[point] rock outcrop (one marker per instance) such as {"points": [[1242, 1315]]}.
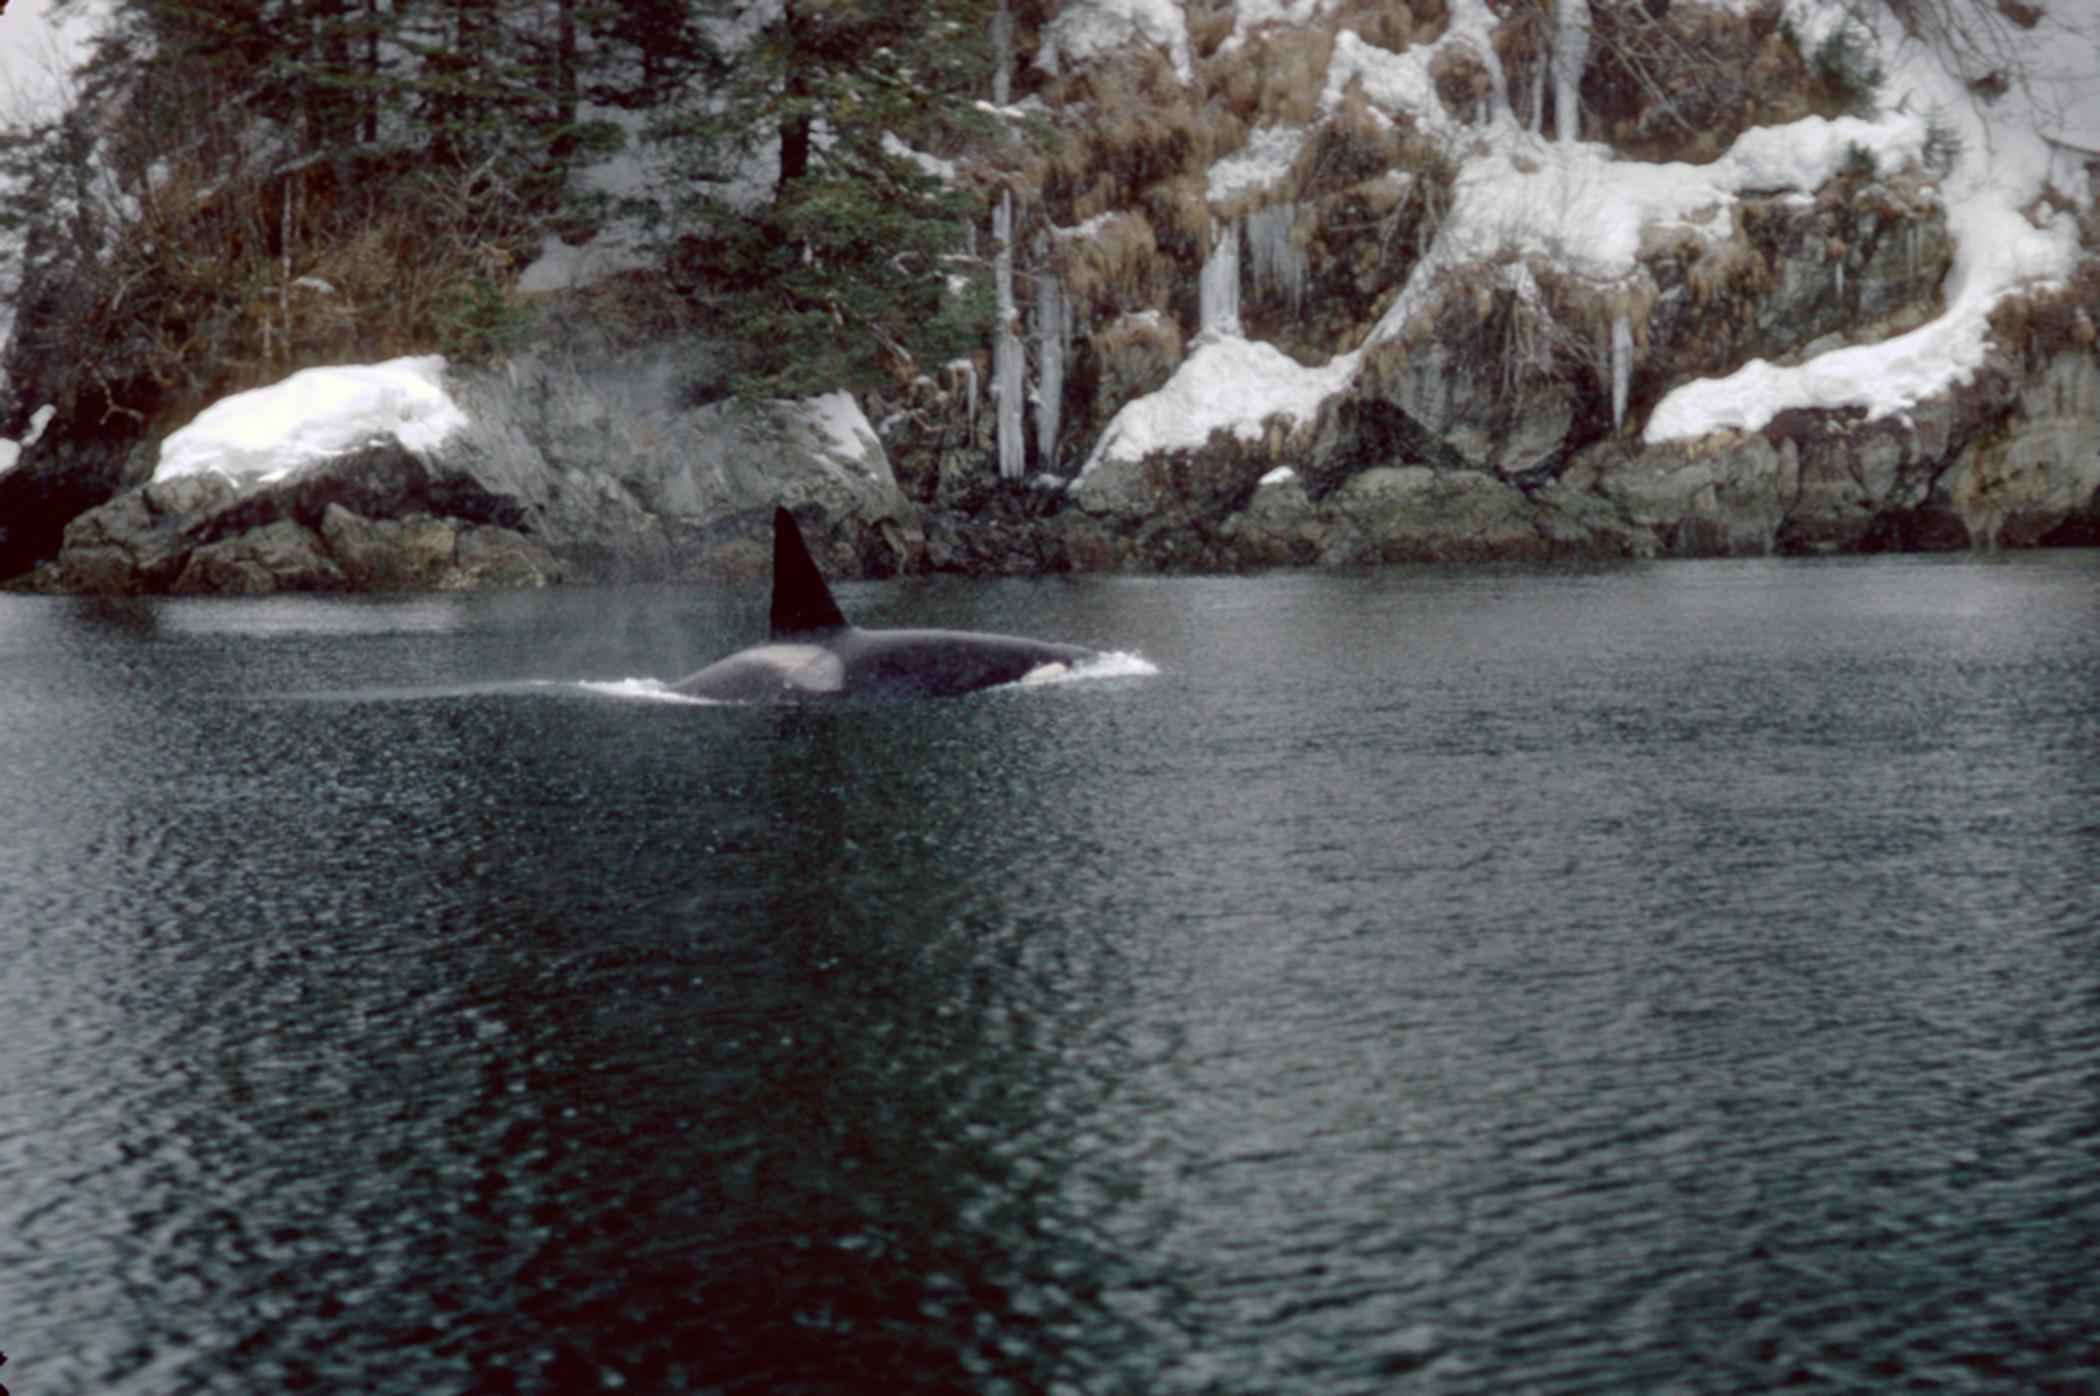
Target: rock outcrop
{"points": [[200, 533], [621, 480], [1457, 371], [632, 495], [66, 473]]}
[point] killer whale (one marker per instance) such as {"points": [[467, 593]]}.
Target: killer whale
{"points": [[813, 655]]}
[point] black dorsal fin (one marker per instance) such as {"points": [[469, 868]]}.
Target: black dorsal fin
{"points": [[801, 601]]}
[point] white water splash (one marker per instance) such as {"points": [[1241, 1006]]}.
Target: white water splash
{"points": [[1109, 664], [646, 691]]}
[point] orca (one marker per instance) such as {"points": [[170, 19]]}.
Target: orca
{"points": [[814, 655]]}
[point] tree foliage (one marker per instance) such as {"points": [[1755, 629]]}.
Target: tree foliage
{"points": [[803, 203], [242, 187]]}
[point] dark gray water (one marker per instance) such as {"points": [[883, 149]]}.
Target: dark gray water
{"points": [[1678, 977]]}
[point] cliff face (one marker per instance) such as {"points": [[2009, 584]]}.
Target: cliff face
{"points": [[1328, 282], [1347, 284]]}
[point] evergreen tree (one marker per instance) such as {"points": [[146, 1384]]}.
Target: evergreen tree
{"points": [[247, 186], [801, 205]]}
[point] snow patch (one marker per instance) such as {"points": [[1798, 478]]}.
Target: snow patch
{"points": [[1392, 82], [1228, 383], [11, 451], [561, 266], [1084, 29], [1264, 161], [1997, 251], [1090, 229], [266, 433], [840, 425], [1802, 154], [1400, 82], [1249, 15], [621, 243], [931, 165]]}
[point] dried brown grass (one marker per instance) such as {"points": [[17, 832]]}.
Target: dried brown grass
{"points": [[1124, 125], [1117, 268], [214, 278], [2037, 325], [1276, 77]]}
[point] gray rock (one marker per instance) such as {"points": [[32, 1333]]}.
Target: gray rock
{"points": [[56, 480], [619, 479], [489, 557], [693, 499], [141, 540], [2039, 476], [1416, 514], [1465, 404], [1720, 497], [281, 556], [1281, 526], [411, 554]]}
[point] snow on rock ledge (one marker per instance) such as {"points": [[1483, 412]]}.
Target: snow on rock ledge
{"points": [[1084, 29], [1227, 384], [266, 433]]}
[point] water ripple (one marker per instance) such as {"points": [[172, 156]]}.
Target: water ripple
{"points": [[1647, 978]]}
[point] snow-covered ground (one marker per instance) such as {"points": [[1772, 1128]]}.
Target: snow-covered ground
{"points": [[1576, 203]]}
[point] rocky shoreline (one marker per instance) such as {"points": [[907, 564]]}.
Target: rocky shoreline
{"points": [[1421, 359], [2013, 462]]}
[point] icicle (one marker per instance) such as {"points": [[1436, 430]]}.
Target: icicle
{"points": [[1278, 262], [1218, 289], [1002, 54], [1571, 53], [1006, 349], [1006, 345], [1053, 335], [1621, 366], [964, 372], [1841, 279], [1498, 83]]}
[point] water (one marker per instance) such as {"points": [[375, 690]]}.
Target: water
{"points": [[1670, 977]]}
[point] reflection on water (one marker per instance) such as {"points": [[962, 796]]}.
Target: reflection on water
{"points": [[1665, 977]]}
